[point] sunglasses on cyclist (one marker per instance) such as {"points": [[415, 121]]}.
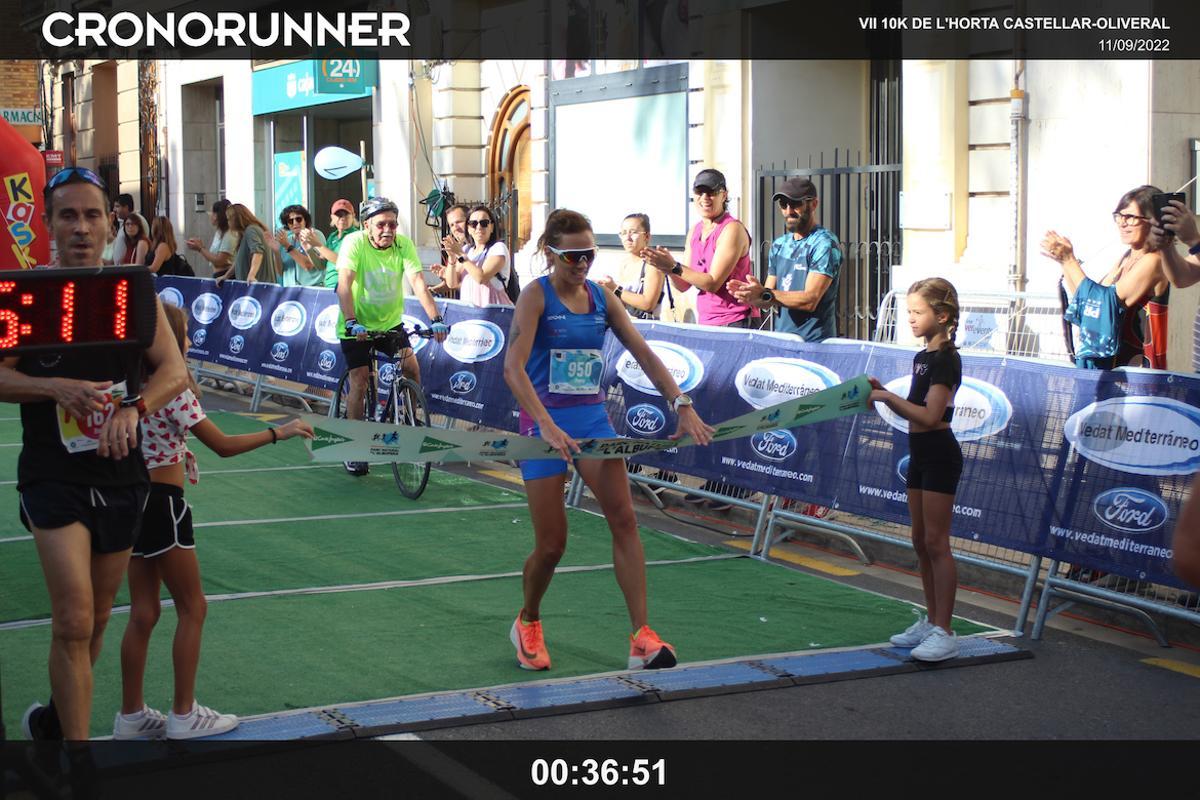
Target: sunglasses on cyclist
{"points": [[385, 225], [575, 257], [74, 175], [479, 223]]}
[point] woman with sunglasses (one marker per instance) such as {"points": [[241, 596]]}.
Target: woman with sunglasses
{"points": [[1112, 329], [480, 269], [303, 264], [255, 260], [137, 239], [553, 365]]}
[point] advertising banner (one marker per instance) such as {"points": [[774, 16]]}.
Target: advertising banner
{"points": [[1086, 467]]}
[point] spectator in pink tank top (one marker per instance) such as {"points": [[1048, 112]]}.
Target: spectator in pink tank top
{"points": [[717, 251]]}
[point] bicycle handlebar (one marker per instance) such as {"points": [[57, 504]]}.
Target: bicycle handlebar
{"points": [[415, 330]]}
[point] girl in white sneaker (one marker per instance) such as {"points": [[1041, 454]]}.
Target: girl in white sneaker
{"points": [[935, 461], [165, 553]]}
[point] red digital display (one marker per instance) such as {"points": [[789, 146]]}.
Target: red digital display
{"points": [[57, 309]]}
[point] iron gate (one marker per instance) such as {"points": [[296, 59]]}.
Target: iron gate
{"points": [[860, 204]]}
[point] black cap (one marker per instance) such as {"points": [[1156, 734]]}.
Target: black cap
{"points": [[795, 188], [709, 179]]}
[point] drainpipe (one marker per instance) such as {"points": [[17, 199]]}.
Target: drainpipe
{"points": [[1018, 171]]}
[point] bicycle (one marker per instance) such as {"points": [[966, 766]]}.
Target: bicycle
{"points": [[404, 404]]}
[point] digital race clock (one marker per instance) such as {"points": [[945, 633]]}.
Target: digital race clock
{"points": [[67, 308]]}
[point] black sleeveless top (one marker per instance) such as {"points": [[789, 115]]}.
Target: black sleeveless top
{"points": [[942, 366], [56, 446]]}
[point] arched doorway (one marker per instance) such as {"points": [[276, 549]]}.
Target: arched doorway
{"points": [[509, 160]]}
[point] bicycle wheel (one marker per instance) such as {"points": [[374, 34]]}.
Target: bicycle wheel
{"points": [[343, 391], [411, 478]]}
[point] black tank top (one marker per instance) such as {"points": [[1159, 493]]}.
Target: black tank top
{"points": [[56, 446], [942, 366]]}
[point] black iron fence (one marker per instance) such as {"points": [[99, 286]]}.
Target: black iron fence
{"points": [[860, 204]]}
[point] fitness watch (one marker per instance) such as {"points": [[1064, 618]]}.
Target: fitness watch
{"points": [[677, 269], [680, 401], [767, 296]]}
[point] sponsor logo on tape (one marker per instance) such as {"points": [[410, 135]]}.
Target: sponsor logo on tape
{"points": [[323, 438], [432, 445]]}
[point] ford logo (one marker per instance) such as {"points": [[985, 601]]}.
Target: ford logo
{"points": [[171, 295], [980, 409], [206, 308], [236, 343], [682, 363], [200, 337], [1142, 435], [902, 469], [387, 373], [645, 420], [1130, 510], [245, 312], [463, 382], [327, 360], [474, 340], [767, 382], [777, 445], [326, 324], [279, 351], [289, 318]]}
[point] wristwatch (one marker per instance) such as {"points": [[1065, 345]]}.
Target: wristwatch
{"points": [[767, 296], [291, 247], [617, 291], [134, 401], [462, 259], [1194, 249], [677, 269], [680, 401]]}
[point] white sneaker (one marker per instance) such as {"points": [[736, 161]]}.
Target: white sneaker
{"points": [[144, 724], [914, 634], [200, 722], [938, 646]]}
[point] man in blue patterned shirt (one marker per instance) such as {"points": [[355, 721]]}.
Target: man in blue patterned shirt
{"points": [[802, 269]]}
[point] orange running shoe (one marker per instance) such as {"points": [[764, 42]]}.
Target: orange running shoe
{"points": [[531, 646], [647, 651]]}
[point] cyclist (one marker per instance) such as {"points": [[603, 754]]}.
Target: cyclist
{"points": [[371, 267]]}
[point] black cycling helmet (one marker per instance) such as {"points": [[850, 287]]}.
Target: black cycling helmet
{"points": [[375, 205]]}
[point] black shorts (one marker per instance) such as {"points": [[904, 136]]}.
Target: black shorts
{"points": [[113, 514], [167, 522], [358, 354], [934, 461]]}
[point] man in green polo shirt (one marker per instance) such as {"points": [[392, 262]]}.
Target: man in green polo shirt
{"points": [[371, 265]]}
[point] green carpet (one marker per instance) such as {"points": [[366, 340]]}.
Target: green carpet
{"points": [[270, 654], [246, 558]]}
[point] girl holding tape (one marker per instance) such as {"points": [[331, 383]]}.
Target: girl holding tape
{"points": [[554, 366], [165, 552], [935, 461]]}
